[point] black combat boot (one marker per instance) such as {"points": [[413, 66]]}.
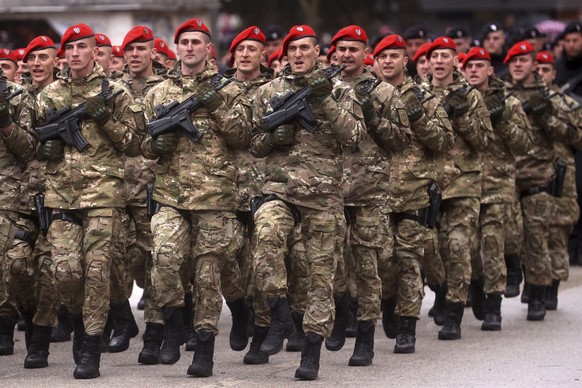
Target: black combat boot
{"points": [[203, 354], [125, 327], [492, 320], [188, 317], [364, 347], [20, 323], [479, 299], [452, 328], [352, 329], [406, 337], [309, 367], [88, 366], [536, 307], [78, 334], [141, 303], [28, 327], [514, 276], [282, 325], [240, 317], [191, 339], [62, 333], [295, 342], [342, 313], [38, 350], [106, 335], [7, 335], [174, 335], [438, 311], [152, 340], [552, 295], [255, 356], [388, 317]]}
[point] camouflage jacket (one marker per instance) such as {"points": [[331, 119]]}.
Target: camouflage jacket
{"points": [[92, 178], [309, 172], [366, 178], [463, 168], [139, 171], [200, 175], [250, 172], [16, 150], [512, 138], [536, 168]]}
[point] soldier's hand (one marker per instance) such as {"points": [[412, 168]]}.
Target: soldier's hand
{"points": [[456, 103], [413, 106], [366, 100], [495, 107], [208, 96], [96, 109], [52, 150], [5, 119], [320, 85], [166, 143], [538, 105], [282, 135]]}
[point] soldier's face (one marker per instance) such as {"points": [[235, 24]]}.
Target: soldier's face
{"points": [[116, 64], [161, 58], [193, 48], [302, 54], [494, 42], [272, 46], [463, 44], [247, 56], [9, 69], [522, 68], [104, 57], [351, 54], [41, 64], [139, 56], [22, 68], [477, 72], [547, 72], [573, 44], [412, 46], [81, 56], [423, 68], [442, 63], [391, 63]]}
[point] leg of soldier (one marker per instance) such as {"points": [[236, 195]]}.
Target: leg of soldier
{"points": [[536, 210], [387, 271], [8, 312], [434, 275], [210, 252], [352, 285], [142, 252], [460, 219], [476, 295], [298, 285], [513, 248]]}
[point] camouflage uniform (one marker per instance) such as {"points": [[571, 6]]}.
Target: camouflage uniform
{"points": [[196, 187], [304, 177], [85, 191]]}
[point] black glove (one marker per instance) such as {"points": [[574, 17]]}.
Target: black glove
{"points": [[165, 144], [5, 119], [495, 107], [538, 105], [456, 103], [96, 109], [320, 85], [208, 96], [52, 150], [413, 106], [282, 135]]}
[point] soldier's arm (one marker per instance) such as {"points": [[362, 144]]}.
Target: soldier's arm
{"points": [[514, 129], [123, 127], [21, 140], [148, 102], [475, 126], [435, 133], [393, 130], [557, 121], [234, 116], [345, 115], [259, 147]]}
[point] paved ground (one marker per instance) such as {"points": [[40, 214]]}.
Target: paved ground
{"points": [[523, 354]]}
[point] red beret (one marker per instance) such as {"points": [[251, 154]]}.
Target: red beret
{"points": [[60, 53], [76, 32], [117, 51], [212, 52], [545, 57], [390, 42], [352, 32], [20, 53], [137, 34], [442, 42], [520, 48], [39, 43], [476, 53], [421, 51], [8, 55], [251, 33], [161, 46], [369, 60], [191, 25], [330, 53], [297, 32], [102, 40], [461, 57], [171, 54], [276, 56]]}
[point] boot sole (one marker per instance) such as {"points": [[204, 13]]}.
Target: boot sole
{"points": [[485, 327], [359, 362], [536, 317], [145, 360], [35, 366], [449, 336], [86, 377], [404, 350], [301, 375], [198, 373]]}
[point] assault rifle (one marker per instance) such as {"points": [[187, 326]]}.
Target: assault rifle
{"points": [[463, 91], [6, 91], [64, 123]]}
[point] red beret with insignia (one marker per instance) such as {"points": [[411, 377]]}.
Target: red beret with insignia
{"points": [[275, 56], [39, 43], [442, 42], [189, 26], [76, 32], [161, 46], [390, 42], [20, 53], [171, 54], [353, 32], [545, 57], [369, 60], [102, 40], [137, 34], [476, 53], [461, 57], [520, 48], [421, 52], [117, 52], [298, 32], [332, 50], [8, 55], [251, 33]]}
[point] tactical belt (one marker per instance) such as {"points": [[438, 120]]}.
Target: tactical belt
{"points": [[534, 190], [421, 216], [29, 217], [412, 216], [23, 235], [67, 216], [258, 201]]}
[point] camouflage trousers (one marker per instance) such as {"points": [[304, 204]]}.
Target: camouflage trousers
{"points": [[537, 210], [488, 259], [234, 281], [431, 262], [121, 280], [298, 271], [320, 229], [195, 243], [7, 225], [82, 257], [460, 217], [514, 229]]}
